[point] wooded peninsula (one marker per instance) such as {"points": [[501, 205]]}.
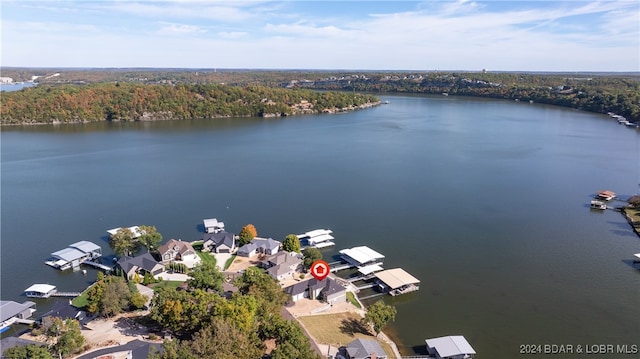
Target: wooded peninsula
{"points": [[88, 95]]}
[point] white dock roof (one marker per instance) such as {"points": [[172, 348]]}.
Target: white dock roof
{"points": [[451, 346], [86, 246], [362, 254], [366, 270], [41, 288], [637, 255], [320, 238], [315, 233], [68, 254], [396, 278], [212, 222]]}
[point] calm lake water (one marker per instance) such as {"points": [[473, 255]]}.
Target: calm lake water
{"points": [[485, 201]]}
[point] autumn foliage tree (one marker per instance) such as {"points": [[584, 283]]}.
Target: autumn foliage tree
{"points": [[247, 233]]}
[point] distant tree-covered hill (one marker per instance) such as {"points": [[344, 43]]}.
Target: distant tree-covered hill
{"points": [[139, 102], [597, 92]]}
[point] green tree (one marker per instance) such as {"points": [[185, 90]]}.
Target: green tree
{"points": [[206, 276], [247, 233], [291, 243], [109, 296], [378, 315], [123, 242], [115, 298], [185, 312], [138, 300], [264, 288], [150, 238], [70, 340], [221, 339], [30, 351], [311, 255]]}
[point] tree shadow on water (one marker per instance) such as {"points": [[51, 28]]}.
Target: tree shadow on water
{"points": [[353, 326]]}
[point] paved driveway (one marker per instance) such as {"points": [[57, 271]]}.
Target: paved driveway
{"points": [[221, 259]]}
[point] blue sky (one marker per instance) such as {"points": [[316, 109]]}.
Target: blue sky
{"points": [[373, 35]]}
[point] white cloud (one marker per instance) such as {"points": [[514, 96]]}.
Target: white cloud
{"points": [[232, 34], [461, 35], [180, 29]]}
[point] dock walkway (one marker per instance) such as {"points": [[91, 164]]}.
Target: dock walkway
{"points": [[368, 285], [371, 296], [65, 294], [98, 265]]}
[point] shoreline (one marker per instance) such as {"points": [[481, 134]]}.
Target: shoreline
{"points": [[333, 110], [635, 225]]}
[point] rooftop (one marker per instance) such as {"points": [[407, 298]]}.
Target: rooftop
{"points": [[366, 270], [68, 254], [396, 278], [9, 309], [315, 233], [362, 254], [86, 246], [450, 346], [363, 348], [41, 288]]}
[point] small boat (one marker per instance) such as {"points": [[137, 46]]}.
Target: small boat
{"points": [[598, 205]]}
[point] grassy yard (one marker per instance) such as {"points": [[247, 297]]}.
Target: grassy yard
{"points": [[352, 299], [81, 301], [339, 329], [206, 257], [229, 261], [633, 213]]}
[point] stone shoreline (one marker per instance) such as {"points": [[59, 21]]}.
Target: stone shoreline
{"points": [[168, 116]]}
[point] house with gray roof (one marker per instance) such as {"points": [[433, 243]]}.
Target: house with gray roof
{"points": [[140, 264], [283, 265], [267, 246], [328, 290], [219, 242], [62, 310], [177, 250], [364, 349], [11, 311]]}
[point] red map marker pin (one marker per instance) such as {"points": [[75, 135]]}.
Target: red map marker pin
{"points": [[320, 269]]}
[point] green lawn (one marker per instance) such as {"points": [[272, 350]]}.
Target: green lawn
{"points": [[352, 299], [206, 257], [339, 329], [81, 301], [633, 213], [229, 261]]}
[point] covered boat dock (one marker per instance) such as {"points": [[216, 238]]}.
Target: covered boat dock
{"points": [[397, 281]]}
